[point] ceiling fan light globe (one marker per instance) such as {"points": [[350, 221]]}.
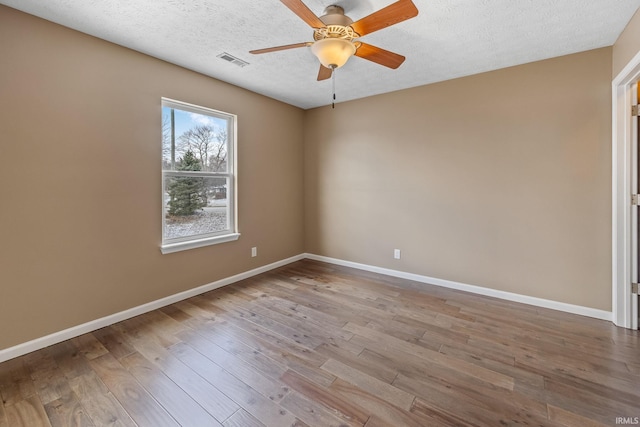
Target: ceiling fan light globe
{"points": [[333, 52]]}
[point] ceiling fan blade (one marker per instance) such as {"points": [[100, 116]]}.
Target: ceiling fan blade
{"points": [[386, 17], [304, 13], [277, 48], [379, 56], [324, 73]]}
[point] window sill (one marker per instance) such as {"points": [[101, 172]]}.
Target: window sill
{"points": [[192, 244]]}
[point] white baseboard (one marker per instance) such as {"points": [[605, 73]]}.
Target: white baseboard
{"points": [[539, 302], [39, 343]]}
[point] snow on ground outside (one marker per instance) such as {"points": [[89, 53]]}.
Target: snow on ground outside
{"points": [[209, 220]]}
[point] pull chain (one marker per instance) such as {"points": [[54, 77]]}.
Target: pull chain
{"points": [[333, 84]]}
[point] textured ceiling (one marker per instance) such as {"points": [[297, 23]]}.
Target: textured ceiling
{"points": [[448, 39]]}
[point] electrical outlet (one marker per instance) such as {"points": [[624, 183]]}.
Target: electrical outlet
{"points": [[254, 252], [396, 253]]}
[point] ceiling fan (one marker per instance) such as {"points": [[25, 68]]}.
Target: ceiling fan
{"points": [[335, 35]]}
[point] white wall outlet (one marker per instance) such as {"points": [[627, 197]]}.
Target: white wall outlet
{"points": [[396, 253], [254, 252]]}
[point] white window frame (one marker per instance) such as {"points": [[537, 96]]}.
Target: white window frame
{"points": [[200, 240]]}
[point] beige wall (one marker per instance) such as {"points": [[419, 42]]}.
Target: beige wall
{"points": [[627, 45], [80, 196], [501, 180]]}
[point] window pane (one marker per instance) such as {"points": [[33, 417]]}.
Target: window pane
{"points": [[195, 206], [198, 146], [205, 136]]}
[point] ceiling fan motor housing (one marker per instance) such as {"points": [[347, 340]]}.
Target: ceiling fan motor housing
{"points": [[334, 15], [337, 25]]}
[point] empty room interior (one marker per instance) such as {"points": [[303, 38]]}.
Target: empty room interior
{"points": [[319, 213]]}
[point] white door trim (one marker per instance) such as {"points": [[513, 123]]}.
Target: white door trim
{"points": [[621, 157], [634, 205]]}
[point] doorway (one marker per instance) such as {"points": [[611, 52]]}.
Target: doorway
{"points": [[625, 203]]}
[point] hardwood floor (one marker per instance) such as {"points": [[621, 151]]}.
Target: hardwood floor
{"points": [[313, 344]]}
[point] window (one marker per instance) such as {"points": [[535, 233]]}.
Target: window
{"points": [[198, 176]]}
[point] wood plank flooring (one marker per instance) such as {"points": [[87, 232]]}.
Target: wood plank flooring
{"points": [[313, 344]]}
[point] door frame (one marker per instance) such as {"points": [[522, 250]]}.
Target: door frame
{"points": [[621, 158]]}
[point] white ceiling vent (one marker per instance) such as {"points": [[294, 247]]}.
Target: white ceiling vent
{"points": [[230, 58]]}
